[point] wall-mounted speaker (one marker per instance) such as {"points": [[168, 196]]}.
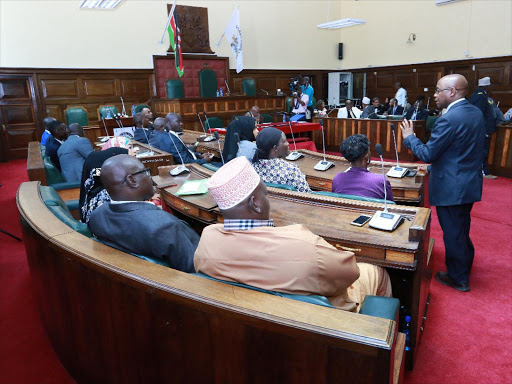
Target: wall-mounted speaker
{"points": [[340, 51]]}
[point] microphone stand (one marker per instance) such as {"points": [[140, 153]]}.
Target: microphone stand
{"points": [[396, 171], [206, 137], [180, 168], [217, 137], [209, 138], [293, 155], [323, 165]]}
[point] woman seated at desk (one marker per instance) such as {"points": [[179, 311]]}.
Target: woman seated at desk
{"points": [[245, 127], [357, 180], [269, 161]]}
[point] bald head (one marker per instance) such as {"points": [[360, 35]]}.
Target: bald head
{"points": [[349, 104], [76, 129], [159, 124], [449, 89], [122, 177], [173, 122]]}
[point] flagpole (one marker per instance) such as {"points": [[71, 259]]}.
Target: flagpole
{"points": [[168, 21], [223, 33]]}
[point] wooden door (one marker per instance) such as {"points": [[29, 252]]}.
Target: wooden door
{"points": [[17, 116]]}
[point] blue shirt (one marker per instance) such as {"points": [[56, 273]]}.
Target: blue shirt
{"points": [[45, 136], [310, 92]]}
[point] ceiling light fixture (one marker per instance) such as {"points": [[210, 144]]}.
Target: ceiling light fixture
{"points": [[444, 2], [343, 23], [412, 38], [99, 4]]}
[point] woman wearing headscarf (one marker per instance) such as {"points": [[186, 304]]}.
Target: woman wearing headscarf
{"points": [[269, 161], [245, 127], [92, 192]]}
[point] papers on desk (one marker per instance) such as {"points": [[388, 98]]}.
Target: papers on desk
{"points": [[193, 187]]}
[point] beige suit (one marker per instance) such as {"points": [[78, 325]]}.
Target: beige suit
{"points": [[289, 259]]}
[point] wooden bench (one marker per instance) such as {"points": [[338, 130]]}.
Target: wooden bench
{"points": [[114, 318]]}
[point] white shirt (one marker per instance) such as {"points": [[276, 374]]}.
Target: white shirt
{"points": [[401, 96], [188, 149], [453, 103], [343, 113], [300, 108]]}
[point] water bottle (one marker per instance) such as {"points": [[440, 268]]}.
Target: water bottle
{"points": [[133, 110], [109, 113], [221, 93], [407, 331], [284, 118], [218, 93]]}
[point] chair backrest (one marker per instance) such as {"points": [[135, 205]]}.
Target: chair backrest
{"points": [[53, 176], [58, 207], [431, 120], [281, 186], [249, 87], [311, 299], [210, 167], [213, 122], [265, 118], [288, 104], [104, 111], [77, 115], [140, 107], [352, 197], [207, 83], [174, 89]]}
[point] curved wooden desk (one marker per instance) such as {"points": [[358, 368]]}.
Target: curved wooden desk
{"points": [[405, 252], [114, 318]]}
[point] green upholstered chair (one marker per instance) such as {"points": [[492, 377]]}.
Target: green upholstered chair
{"points": [[77, 115], [249, 87], [213, 122], [55, 180], [281, 186], [174, 89], [352, 197], [140, 107], [431, 120], [104, 110], [207, 83], [265, 118], [211, 167], [288, 104], [397, 117], [59, 208]]}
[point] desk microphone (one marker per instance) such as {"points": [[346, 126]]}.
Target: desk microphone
{"points": [[323, 165], [106, 131], [206, 137], [151, 152], [396, 171], [384, 220], [227, 86], [217, 137], [123, 112], [261, 89], [180, 168], [334, 109], [206, 121], [293, 155], [428, 102]]}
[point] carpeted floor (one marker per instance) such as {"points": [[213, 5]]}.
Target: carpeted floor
{"points": [[467, 340]]}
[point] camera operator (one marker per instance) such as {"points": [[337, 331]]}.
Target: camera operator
{"points": [[308, 90], [299, 104]]}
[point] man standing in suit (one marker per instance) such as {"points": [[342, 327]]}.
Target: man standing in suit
{"points": [[455, 151], [73, 152], [132, 224]]}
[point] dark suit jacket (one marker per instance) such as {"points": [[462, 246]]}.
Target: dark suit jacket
{"points": [[162, 140], [455, 151], [52, 146], [145, 229], [480, 100], [421, 115], [399, 110], [142, 135], [370, 110]]}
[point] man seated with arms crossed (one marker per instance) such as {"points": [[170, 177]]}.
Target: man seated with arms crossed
{"points": [[255, 113], [248, 249], [349, 111], [141, 132], [358, 180], [132, 224], [299, 105], [394, 108], [168, 140], [73, 152]]}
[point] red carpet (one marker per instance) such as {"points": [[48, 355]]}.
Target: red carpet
{"points": [[467, 339]]}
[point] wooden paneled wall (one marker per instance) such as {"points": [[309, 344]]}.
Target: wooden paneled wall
{"points": [[27, 95]]}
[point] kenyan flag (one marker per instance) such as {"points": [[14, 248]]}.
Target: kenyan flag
{"points": [[175, 39]]}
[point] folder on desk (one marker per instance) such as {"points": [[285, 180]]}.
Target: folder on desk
{"points": [[193, 187]]}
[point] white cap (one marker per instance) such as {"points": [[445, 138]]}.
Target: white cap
{"points": [[366, 100], [484, 81]]}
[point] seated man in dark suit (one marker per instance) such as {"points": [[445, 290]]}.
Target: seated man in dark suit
{"points": [[141, 132], [371, 111], [394, 108], [132, 224], [169, 141], [418, 112], [59, 133], [46, 133], [73, 152]]}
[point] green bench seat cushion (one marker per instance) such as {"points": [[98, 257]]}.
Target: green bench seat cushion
{"points": [[352, 197], [378, 306]]}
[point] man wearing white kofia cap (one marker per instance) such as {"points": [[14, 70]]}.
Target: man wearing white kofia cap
{"points": [[248, 249]]}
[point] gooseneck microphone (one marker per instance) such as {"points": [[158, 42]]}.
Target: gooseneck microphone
{"points": [[323, 165], [123, 112], [207, 122], [292, 156], [384, 220], [396, 171], [180, 168], [217, 137], [207, 138], [261, 89]]}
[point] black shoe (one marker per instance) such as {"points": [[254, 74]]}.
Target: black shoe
{"points": [[443, 278]]}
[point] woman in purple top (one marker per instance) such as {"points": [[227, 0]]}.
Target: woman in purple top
{"points": [[357, 180]]}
